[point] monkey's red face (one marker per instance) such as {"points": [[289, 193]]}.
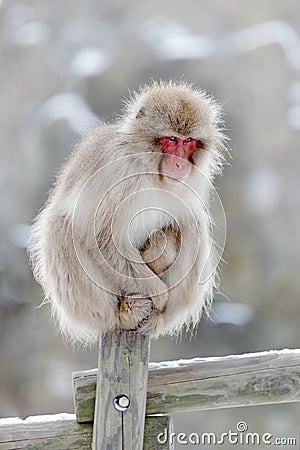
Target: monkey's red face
{"points": [[177, 154]]}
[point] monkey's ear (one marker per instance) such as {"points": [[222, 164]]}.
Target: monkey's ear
{"points": [[141, 113]]}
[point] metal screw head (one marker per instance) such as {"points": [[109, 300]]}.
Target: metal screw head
{"points": [[121, 402]]}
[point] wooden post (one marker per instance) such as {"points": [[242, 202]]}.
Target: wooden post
{"points": [[121, 391]]}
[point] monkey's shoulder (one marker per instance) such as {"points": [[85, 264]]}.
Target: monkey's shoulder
{"points": [[90, 153]]}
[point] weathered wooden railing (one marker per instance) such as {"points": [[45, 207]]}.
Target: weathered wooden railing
{"points": [[184, 385]]}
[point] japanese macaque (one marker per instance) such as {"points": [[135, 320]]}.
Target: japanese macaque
{"points": [[124, 241]]}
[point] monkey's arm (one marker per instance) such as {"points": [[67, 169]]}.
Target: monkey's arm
{"points": [[129, 274]]}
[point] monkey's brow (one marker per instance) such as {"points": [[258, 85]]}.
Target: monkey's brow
{"points": [[128, 133], [121, 144]]}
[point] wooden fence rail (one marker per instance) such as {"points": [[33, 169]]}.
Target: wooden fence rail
{"points": [[63, 432], [207, 383], [184, 385]]}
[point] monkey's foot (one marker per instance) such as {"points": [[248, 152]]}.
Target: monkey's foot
{"points": [[152, 324], [134, 311]]}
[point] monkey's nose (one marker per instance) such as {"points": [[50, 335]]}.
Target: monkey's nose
{"points": [[177, 164]]}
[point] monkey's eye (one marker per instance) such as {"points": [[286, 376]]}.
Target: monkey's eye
{"points": [[173, 138], [188, 139]]}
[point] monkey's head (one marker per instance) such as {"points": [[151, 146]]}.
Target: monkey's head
{"points": [[180, 122]]}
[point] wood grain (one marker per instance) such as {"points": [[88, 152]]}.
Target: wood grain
{"points": [[63, 432], [208, 383], [123, 371]]}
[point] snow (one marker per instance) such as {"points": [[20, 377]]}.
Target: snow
{"points": [[173, 41], [272, 32], [37, 419], [263, 34], [262, 192], [186, 47], [232, 313], [90, 61], [32, 33], [294, 92], [19, 234], [69, 106], [293, 117], [186, 362]]}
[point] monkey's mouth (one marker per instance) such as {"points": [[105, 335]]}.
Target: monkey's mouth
{"points": [[174, 168]]}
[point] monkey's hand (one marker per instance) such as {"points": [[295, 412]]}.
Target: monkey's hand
{"points": [[134, 311], [138, 314]]}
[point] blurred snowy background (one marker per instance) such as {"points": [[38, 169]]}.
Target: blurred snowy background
{"points": [[65, 64]]}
